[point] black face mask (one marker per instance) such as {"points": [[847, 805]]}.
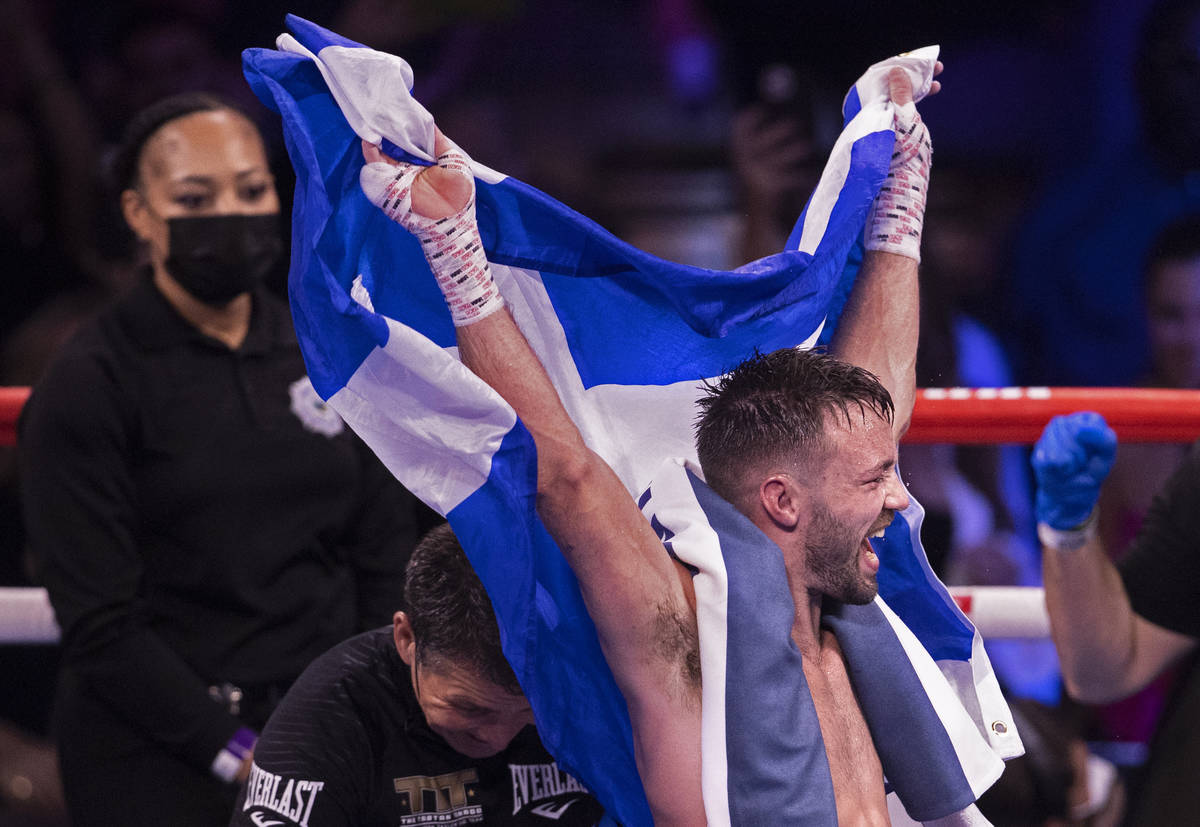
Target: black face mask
{"points": [[218, 257]]}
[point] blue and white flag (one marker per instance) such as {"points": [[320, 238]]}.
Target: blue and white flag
{"points": [[626, 338], [940, 726]]}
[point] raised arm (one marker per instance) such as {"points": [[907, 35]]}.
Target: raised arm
{"points": [[638, 599], [1106, 649], [878, 328]]}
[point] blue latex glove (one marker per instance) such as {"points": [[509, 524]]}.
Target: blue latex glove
{"points": [[1071, 460]]}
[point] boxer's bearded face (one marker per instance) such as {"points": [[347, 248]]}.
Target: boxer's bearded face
{"points": [[855, 495], [841, 562]]}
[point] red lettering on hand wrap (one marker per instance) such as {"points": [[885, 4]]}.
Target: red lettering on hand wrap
{"points": [[897, 217]]}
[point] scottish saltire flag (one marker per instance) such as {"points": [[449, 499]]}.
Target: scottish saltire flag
{"points": [[939, 723], [626, 338]]}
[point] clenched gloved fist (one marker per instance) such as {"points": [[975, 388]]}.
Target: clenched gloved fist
{"points": [[1071, 460]]}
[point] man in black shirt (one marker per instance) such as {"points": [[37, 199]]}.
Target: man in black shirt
{"points": [[422, 723], [1118, 626]]}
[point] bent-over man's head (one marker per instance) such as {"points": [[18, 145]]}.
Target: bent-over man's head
{"points": [[450, 640], [801, 443]]}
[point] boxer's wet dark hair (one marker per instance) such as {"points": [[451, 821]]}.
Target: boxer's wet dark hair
{"points": [[773, 407], [452, 620]]}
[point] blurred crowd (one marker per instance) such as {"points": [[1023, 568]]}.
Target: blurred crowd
{"points": [[1062, 244]]}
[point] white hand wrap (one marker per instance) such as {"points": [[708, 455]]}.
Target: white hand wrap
{"points": [[898, 214], [451, 245]]}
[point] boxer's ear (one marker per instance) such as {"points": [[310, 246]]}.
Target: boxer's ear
{"points": [[402, 635], [779, 497]]}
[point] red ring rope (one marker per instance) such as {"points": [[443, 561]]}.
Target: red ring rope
{"points": [[11, 400], [969, 415], [951, 415], [987, 415]]}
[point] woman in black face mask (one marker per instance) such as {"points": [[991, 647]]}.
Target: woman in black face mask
{"points": [[204, 524], [200, 194]]}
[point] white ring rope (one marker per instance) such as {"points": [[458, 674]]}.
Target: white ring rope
{"points": [[997, 611], [1004, 611], [950, 415]]}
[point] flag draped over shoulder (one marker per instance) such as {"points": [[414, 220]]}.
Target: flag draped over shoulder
{"points": [[625, 337], [938, 721]]}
